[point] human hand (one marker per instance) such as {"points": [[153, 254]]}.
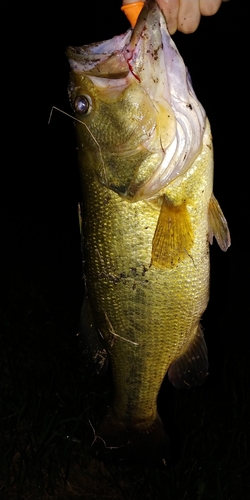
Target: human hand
{"points": [[183, 15]]}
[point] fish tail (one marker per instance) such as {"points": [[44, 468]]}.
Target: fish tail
{"points": [[119, 443]]}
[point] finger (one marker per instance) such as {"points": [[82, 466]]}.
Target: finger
{"points": [[209, 7], [170, 10], [189, 15]]}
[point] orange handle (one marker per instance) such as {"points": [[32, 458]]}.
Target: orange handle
{"points": [[132, 11]]}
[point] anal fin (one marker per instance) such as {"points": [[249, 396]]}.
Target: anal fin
{"points": [[191, 369], [218, 225]]}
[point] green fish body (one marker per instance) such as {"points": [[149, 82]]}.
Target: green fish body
{"points": [[146, 166]]}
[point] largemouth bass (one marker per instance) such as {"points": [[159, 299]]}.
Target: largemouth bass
{"points": [[146, 165]]}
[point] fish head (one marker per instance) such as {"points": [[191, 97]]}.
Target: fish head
{"points": [[138, 120]]}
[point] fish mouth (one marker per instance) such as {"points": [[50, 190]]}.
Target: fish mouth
{"points": [[122, 54], [148, 56]]}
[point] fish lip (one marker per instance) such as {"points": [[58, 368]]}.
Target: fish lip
{"points": [[140, 26], [95, 59]]}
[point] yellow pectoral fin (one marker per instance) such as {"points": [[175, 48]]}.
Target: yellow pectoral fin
{"points": [[173, 236], [218, 225]]}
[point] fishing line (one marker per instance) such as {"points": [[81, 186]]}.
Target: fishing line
{"points": [[76, 119]]}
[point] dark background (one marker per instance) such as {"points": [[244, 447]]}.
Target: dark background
{"points": [[41, 288], [39, 215]]}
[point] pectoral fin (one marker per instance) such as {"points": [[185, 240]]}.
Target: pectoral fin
{"points": [[191, 368], [218, 225], [173, 236]]}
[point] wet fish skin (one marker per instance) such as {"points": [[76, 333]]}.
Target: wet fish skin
{"points": [[146, 230]]}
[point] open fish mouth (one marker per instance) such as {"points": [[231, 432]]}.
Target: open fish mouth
{"points": [[147, 57]]}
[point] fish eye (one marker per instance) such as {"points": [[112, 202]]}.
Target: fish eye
{"points": [[83, 104]]}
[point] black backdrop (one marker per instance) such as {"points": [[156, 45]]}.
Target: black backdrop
{"points": [[39, 202], [40, 236]]}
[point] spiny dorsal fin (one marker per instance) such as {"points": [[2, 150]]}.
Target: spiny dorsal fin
{"points": [[218, 225], [191, 368]]}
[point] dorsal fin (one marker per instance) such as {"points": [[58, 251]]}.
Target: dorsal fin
{"points": [[218, 225]]}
